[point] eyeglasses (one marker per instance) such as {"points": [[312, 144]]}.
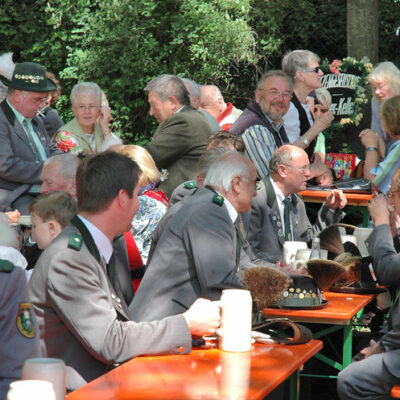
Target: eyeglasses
{"points": [[87, 108], [274, 94], [315, 69], [303, 169], [256, 182]]}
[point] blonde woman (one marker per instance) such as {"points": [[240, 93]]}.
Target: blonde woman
{"points": [[385, 83], [153, 202]]}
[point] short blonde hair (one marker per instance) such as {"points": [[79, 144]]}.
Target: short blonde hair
{"points": [[390, 115], [386, 72], [150, 173]]}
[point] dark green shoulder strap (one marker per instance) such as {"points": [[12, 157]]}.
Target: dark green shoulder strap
{"points": [[87, 237]]}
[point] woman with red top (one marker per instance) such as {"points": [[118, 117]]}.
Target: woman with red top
{"points": [[153, 203]]}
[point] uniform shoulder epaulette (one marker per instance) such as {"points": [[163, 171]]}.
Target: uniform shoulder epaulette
{"points": [[6, 266], [190, 185], [218, 199], [75, 241]]}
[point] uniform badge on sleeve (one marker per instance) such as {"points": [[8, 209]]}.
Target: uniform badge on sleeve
{"points": [[25, 323]]}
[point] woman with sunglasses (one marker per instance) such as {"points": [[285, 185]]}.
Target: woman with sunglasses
{"points": [[301, 128]]}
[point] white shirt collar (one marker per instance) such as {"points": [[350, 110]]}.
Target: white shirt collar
{"points": [[179, 109], [231, 210], [104, 246]]}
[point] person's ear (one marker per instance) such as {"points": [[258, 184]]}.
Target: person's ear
{"points": [[282, 170], [55, 228], [236, 184]]}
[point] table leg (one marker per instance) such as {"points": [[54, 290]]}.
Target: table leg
{"points": [[365, 214], [347, 344], [295, 385]]}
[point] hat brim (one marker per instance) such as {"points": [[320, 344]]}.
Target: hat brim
{"points": [[47, 86]]}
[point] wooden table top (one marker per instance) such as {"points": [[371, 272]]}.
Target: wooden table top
{"points": [[203, 374], [353, 199], [339, 311], [396, 392]]}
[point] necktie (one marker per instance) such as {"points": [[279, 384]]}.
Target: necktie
{"points": [[286, 219], [238, 240], [32, 141]]}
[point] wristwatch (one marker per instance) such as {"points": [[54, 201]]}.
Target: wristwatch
{"points": [[371, 148]]}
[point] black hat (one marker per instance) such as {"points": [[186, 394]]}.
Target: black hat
{"points": [[31, 77]]}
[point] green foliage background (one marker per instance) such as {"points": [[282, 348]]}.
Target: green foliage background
{"points": [[122, 44]]}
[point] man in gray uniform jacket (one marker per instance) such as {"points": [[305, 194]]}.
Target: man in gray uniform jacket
{"points": [[19, 337], [80, 317], [24, 143], [198, 252], [379, 367], [265, 225]]}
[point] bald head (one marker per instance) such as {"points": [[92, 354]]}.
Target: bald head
{"points": [[212, 101], [290, 169], [59, 173]]}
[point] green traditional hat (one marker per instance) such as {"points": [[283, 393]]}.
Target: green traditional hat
{"points": [[31, 77]]}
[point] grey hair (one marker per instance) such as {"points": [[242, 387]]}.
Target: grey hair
{"points": [[88, 88], [208, 158], [194, 90], [68, 163], [282, 156], [225, 169], [324, 94], [169, 85], [298, 60], [275, 73], [388, 73]]}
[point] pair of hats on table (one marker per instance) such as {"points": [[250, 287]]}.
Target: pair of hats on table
{"points": [[358, 273], [270, 286], [27, 76]]}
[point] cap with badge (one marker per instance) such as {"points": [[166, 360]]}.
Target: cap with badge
{"points": [[27, 76], [305, 291]]}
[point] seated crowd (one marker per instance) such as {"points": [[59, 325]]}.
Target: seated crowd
{"points": [[126, 260]]}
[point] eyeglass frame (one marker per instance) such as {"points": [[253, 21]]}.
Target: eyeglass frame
{"points": [[302, 169], [278, 94], [315, 69]]}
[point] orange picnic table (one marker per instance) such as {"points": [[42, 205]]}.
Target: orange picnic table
{"points": [[206, 373], [338, 314], [353, 199]]}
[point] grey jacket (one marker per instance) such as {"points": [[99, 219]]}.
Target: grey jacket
{"points": [[196, 256], [17, 160], [264, 226], [82, 320], [386, 262]]}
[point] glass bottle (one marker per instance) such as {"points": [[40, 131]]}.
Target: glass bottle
{"points": [[315, 249]]}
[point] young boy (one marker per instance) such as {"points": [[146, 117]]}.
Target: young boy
{"points": [[50, 213]]}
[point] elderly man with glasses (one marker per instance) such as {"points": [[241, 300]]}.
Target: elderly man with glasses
{"points": [[278, 214], [261, 124], [25, 144]]}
